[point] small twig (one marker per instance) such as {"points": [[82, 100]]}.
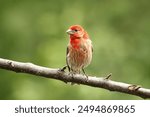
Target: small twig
{"points": [[108, 76]]}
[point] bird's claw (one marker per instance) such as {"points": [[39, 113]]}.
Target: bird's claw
{"points": [[85, 75], [62, 69], [72, 76], [87, 79]]}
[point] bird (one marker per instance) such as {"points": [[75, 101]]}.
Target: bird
{"points": [[79, 50]]}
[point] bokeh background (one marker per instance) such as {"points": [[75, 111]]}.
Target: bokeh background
{"points": [[34, 31]]}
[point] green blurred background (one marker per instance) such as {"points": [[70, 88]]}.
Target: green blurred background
{"points": [[34, 31]]}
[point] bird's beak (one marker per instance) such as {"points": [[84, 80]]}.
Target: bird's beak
{"points": [[70, 32]]}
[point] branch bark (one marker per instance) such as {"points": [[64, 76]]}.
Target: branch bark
{"points": [[100, 82]]}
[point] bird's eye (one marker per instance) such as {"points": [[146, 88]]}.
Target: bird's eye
{"points": [[75, 30]]}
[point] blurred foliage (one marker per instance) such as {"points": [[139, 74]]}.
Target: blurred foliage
{"points": [[34, 31]]}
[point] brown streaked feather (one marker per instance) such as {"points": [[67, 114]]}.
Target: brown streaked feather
{"points": [[67, 51], [92, 49]]}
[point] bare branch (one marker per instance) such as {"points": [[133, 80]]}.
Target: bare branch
{"points": [[100, 82]]}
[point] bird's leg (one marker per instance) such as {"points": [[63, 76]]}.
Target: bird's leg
{"points": [[70, 70], [63, 69], [85, 74], [72, 74]]}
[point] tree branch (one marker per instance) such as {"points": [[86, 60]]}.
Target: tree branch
{"points": [[100, 82]]}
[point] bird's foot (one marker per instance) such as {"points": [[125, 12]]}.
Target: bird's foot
{"points": [[63, 69], [134, 87], [72, 76], [85, 75], [87, 79]]}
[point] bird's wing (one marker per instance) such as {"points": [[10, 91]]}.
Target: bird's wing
{"points": [[67, 51], [92, 49]]}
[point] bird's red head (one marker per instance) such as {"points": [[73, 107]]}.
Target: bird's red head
{"points": [[76, 31]]}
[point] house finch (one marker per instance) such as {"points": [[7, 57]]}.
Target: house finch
{"points": [[79, 50]]}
